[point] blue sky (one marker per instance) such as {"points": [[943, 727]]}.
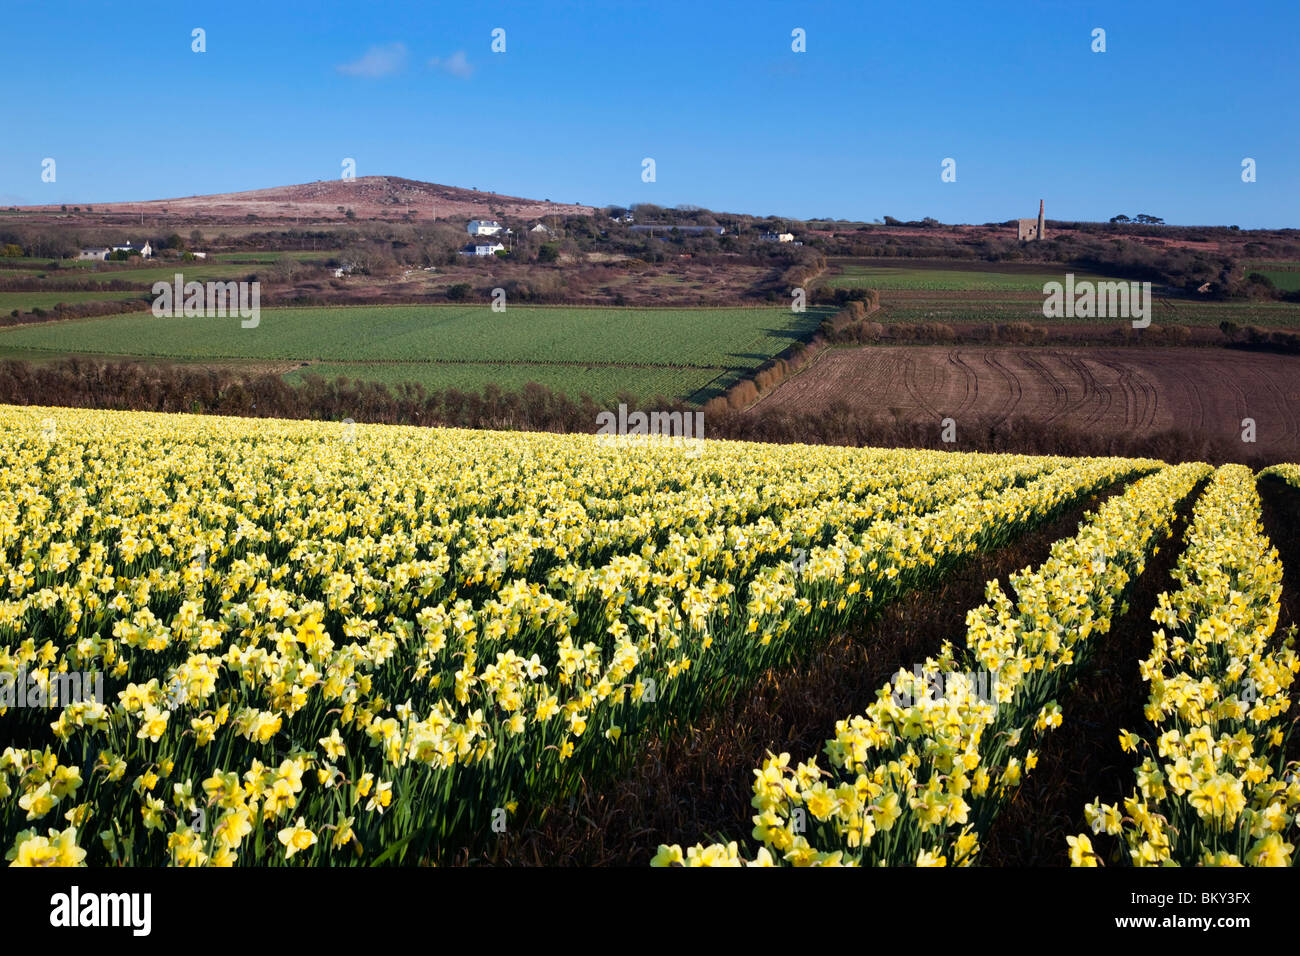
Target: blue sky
{"points": [[856, 127]]}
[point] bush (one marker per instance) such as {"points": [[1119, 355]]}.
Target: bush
{"points": [[935, 332], [1287, 341], [1018, 333], [743, 394]]}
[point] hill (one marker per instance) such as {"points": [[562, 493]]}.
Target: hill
{"points": [[369, 197]]}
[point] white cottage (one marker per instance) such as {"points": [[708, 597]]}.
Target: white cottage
{"points": [[146, 250], [482, 248]]}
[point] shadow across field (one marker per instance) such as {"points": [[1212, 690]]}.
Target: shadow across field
{"points": [[1281, 506]]}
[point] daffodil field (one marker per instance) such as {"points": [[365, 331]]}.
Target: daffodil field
{"points": [[1213, 786], [918, 777], [328, 644]]}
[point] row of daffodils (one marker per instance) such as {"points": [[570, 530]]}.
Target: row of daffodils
{"points": [[1289, 473], [233, 641], [1213, 786], [918, 778]]}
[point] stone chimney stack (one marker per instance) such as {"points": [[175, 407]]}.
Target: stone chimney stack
{"points": [[1040, 219]]}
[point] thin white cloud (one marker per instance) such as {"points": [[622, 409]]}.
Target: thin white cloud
{"points": [[378, 61], [456, 65]]}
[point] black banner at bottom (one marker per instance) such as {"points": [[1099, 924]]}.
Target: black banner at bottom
{"points": [[333, 906]]}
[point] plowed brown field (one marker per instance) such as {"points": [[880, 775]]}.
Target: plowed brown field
{"points": [[1134, 391]]}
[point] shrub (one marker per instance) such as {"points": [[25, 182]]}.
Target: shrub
{"points": [[742, 394]]}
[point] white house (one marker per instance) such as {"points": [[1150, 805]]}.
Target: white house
{"points": [[100, 254], [777, 237], [482, 248], [541, 230], [199, 255], [483, 227], [146, 250]]}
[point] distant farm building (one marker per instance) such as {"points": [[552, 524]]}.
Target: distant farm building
{"points": [[482, 249], [1031, 230], [92, 254], [541, 230], [146, 250], [777, 237], [483, 227]]}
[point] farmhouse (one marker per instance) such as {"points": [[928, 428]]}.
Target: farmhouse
{"points": [[541, 231], [483, 227], [482, 248], [1031, 230], [146, 250], [90, 254], [777, 237]]}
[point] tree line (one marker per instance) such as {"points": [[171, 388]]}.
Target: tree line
{"points": [[136, 386]]}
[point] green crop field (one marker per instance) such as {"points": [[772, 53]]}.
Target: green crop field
{"points": [[26, 301], [253, 256], [1285, 279], [199, 270], [29, 261], [223, 265], [688, 353], [1255, 265], [920, 308], [602, 382], [850, 275]]}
